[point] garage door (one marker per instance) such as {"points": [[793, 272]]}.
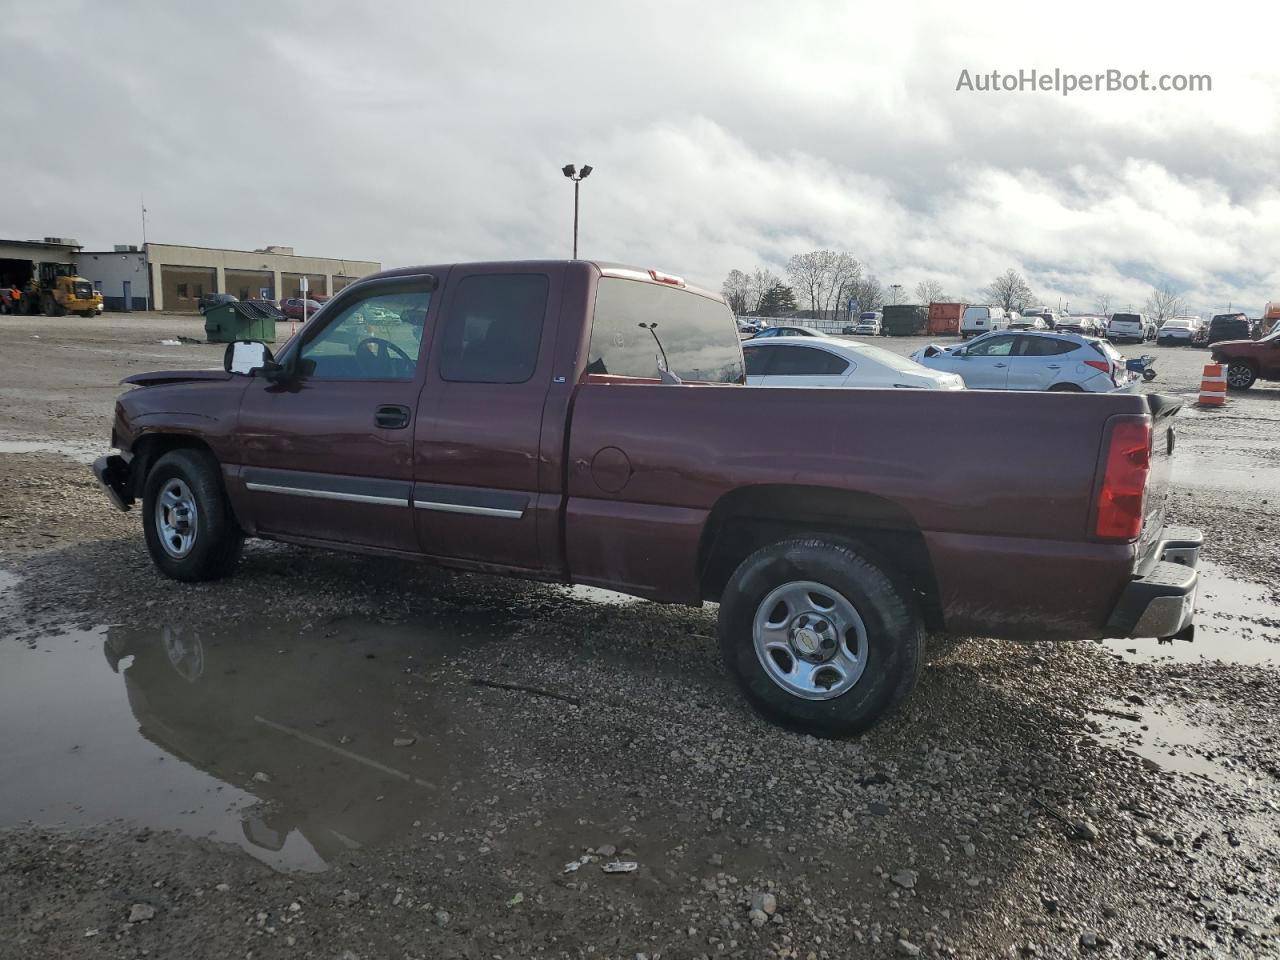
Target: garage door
{"points": [[249, 284], [184, 286], [292, 283]]}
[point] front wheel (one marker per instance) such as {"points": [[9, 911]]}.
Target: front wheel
{"points": [[190, 530], [1241, 375], [818, 637]]}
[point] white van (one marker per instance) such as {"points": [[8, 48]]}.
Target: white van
{"points": [[984, 319]]}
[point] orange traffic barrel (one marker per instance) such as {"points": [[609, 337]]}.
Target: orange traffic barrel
{"points": [[1213, 386]]}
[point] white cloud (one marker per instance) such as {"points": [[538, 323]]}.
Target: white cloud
{"points": [[721, 136]]}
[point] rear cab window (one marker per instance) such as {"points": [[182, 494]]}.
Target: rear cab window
{"points": [[639, 327]]}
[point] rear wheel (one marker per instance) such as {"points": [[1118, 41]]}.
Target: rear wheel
{"points": [[1066, 388], [190, 530], [818, 637], [1241, 374]]}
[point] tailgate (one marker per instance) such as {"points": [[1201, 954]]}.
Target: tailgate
{"points": [[1163, 412]]}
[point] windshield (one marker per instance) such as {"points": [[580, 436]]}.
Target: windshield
{"points": [[1177, 322], [1125, 318]]}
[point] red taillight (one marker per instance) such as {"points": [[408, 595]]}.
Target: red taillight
{"points": [[1102, 365], [1124, 480]]}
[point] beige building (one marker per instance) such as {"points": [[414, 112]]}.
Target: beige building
{"points": [[179, 275]]}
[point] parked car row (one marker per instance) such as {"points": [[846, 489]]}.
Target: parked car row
{"points": [[819, 361]]}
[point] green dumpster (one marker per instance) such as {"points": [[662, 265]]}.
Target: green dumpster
{"points": [[241, 320]]}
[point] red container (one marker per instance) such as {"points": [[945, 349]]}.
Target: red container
{"points": [[944, 318]]}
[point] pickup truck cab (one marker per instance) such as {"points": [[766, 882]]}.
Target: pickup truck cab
{"points": [[1248, 361], [582, 422]]}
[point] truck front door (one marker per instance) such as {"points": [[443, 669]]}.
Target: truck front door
{"points": [[328, 457], [487, 452]]}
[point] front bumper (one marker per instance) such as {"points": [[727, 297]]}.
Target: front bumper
{"points": [[113, 474], [1162, 602]]}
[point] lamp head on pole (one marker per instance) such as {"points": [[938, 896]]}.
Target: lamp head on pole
{"points": [[586, 171], [568, 170]]}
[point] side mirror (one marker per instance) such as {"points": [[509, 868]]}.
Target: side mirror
{"points": [[246, 357]]}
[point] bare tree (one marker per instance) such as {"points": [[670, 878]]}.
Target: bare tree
{"points": [[1163, 303], [866, 293], [928, 291], [737, 291], [808, 273], [846, 271], [762, 281], [822, 278], [1103, 305], [1009, 290]]}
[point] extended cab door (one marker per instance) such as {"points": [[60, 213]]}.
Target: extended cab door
{"points": [[486, 474], [328, 456]]}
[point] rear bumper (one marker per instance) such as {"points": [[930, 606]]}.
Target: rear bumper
{"points": [[1162, 602], [113, 474]]}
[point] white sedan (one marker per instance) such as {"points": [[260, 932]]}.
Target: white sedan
{"points": [[828, 362]]}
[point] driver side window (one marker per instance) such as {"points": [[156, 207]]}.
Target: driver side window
{"points": [[992, 347], [378, 337]]}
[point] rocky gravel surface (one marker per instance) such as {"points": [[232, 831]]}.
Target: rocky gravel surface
{"points": [[483, 768]]}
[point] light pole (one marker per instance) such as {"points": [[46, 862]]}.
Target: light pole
{"points": [[569, 171], [897, 289]]}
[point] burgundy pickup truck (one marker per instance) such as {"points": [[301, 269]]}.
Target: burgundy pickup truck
{"points": [[587, 423]]}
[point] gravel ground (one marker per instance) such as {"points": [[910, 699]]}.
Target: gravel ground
{"points": [[299, 761]]}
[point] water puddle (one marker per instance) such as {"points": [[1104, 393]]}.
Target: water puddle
{"points": [[1167, 739], [1236, 622], [80, 451], [295, 744], [1226, 470]]}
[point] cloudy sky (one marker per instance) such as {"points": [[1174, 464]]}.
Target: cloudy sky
{"points": [[723, 135]]}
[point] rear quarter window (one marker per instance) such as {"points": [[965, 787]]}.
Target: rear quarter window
{"points": [[698, 335]]}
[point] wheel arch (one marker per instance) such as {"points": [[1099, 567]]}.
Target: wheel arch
{"points": [[747, 518], [150, 447]]}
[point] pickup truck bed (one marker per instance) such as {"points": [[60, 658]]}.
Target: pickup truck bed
{"points": [[586, 423]]}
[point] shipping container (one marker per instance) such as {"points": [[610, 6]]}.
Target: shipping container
{"points": [[944, 319], [905, 320]]}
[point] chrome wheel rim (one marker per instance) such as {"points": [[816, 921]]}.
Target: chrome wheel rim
{"points": [[177, 520], [1238, 375], [810, 640]]}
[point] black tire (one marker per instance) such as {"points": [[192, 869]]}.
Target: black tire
{"points": [[1241, 375], [894, 635], [1066, 388], [216, 538]]}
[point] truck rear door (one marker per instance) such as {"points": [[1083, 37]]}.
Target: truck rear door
{"points": [[484, 488]]}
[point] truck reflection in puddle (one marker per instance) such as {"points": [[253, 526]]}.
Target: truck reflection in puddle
{"points": [[285, 739]]}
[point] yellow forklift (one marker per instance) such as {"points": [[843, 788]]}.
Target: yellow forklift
{"points": [[55, 291]]}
